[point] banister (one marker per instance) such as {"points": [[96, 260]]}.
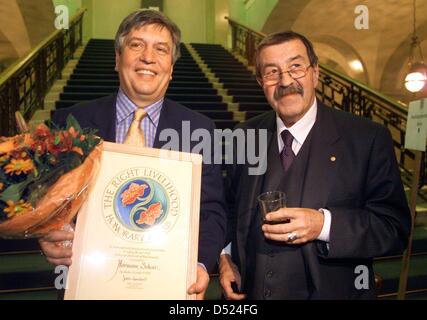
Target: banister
{"points": [[20, 63], [340, 91], [262, 35], [24, 84]]}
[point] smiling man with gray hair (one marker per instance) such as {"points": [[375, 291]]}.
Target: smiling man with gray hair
{"points": [[147, 46]]}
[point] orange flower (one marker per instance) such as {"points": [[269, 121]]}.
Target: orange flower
{"points": [[61, 142], [78, 150], [150, 216], [39, 147], [7, 146], [17, 208], [73, 132], [18, 166], [1, 186], [20, 154], [25, 140], [132, 193], [42, 131]]}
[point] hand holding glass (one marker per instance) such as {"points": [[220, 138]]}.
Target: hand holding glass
{"points": [[271, 201]]}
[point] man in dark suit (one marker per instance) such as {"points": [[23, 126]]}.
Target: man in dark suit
{"points": [[147, 46], [345, 199]]}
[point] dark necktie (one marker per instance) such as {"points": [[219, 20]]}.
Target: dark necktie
{"points": [[287, 155]]}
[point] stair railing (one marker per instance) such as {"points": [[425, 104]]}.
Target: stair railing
{"points": [[24, 84], [342, 92]]}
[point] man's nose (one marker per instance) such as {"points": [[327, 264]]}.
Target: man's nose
{"points": [[147, 55], [285, 79]]}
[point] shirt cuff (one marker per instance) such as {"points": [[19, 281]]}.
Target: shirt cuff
{"points": [[326, 229], [227, 250], [202, 265]]}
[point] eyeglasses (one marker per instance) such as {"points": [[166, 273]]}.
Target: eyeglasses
{"points": [[274, 76]]}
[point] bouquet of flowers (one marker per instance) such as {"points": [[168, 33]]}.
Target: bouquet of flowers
{"points": [[45, 176]]}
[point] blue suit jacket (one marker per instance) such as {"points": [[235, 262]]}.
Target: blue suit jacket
{"points": [[100, 114]]}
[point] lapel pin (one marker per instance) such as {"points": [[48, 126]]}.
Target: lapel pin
{"points": [[333, 158]]}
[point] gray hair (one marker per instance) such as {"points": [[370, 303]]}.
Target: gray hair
{"points": [[282, 37], [141, 18]]}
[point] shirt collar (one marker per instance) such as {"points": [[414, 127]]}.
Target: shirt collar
{"points": [[125, 107], [302, 127]]}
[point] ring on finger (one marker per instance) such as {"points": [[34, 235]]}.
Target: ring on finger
{"points": [[292, 236]]}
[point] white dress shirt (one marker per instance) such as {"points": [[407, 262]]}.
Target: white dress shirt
{"points": [[300, 131]]}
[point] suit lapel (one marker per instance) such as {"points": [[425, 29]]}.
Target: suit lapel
{"points": [[169, 119], [321, 172], [255, 182], [249, 202], [274, 174], [105, 121], [323, 159]]}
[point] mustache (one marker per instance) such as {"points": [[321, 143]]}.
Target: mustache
{"points": [[282, 91]]}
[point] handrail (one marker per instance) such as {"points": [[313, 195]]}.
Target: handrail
{"points": [[16, 66], [245, 39], [246, 27], [400, 106], [340, 91], [25, 83]]}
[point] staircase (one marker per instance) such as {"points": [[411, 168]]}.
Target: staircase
{"points": [[236, 79], [210, 80], [24, 272], [94, 77]]}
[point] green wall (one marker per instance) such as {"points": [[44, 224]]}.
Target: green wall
{"points": [[210, 21], [108, 14], [102, 17], [200, 20], [192, 18], [253, 13]]}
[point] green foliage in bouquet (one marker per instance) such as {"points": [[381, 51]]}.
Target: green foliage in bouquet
{"points": [[31, 162]]}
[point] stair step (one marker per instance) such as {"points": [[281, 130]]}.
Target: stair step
{"points": [[46, 294], [20, 263], [390, 273]]}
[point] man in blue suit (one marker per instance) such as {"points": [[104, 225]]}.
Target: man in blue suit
{"points": [[147, 46]]}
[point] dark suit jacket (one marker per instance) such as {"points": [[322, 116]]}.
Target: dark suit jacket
{"points": [[101, 114], [362, 188]]}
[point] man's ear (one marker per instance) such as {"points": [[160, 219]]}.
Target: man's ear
{"points": [[116, 68], [170, 77], [315, 75]]}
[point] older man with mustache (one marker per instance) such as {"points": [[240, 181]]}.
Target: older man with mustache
{"points": [[345, 199]]}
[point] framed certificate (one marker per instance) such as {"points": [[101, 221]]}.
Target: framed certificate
{"points": [[137, 234]]}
